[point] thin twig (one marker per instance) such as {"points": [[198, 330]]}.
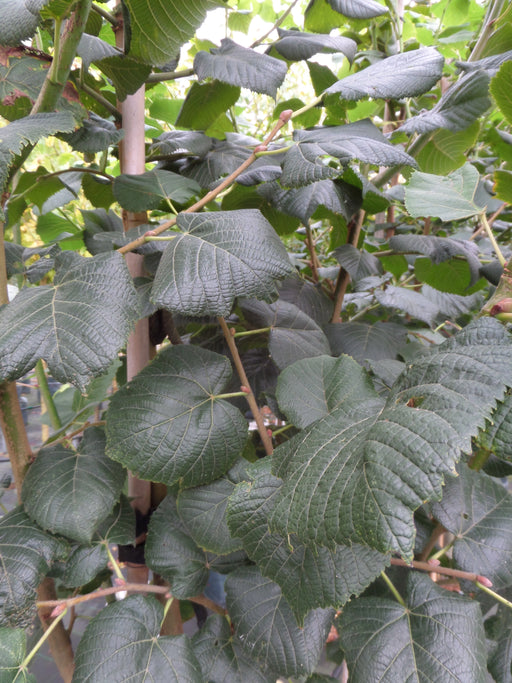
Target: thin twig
{"points": [[343, 276], [101, 100], [76, 169], [106, 15], [278, 23], [490, 221], [438, 569]]}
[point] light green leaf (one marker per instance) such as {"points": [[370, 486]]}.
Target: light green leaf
{"points": [[122, 642], [500, 90], [450, 197], [205, 102], [13, 649], [436, 636], [218, 257], [168, 425], [146, 191], [503, 185], [70, 492], [446, 151], [77, 325]]}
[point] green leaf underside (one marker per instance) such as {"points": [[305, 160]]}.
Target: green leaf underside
{"points": [[166, 424], [242, 67], [477, 510], [403, 75], [77, 326], [218, 257], [122, 642], [27, 554], [437, 636], [309, 578], [265, 629], [171, 552], [70, 492], [358, 474], [146, 191]]}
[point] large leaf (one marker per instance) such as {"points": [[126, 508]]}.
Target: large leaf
{"points": [[218, 257], [168, 424], [411, 302], [13, 649], [360, 140], [446, 151], [19, 19], [265, 629], [241, 66], [205, 102], [297, 45], [122, 643], [77, 325], [500, 90], [478, 511], [358, 478], [435, 636], [70, 492], [366, 342], [171, 552], [158, 28], [223, 158], [450, 197], [403, 75], [464, 102], [147, 190], [27, 554], [358, 9], [308, 577], [293, 334], [222, 658], [310, 298]]}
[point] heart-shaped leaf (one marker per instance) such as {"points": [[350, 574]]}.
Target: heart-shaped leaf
{"points": [[77, 325], [219, 256], [241, 66], [68, 491], [403, 75], [436, 636], [297, 45], [146, 191], [27, 554], [123, 639], [170, 423]]}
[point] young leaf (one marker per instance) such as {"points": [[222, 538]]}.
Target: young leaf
{"points": [[219, 256], [167, 424], [146, 191], [450, 198], [403, 75], [297, 45], [77, 325], [27, 554], [124, 639], [384, 464], [241, 66], [436, 636], [70, 492], [265, 629]]}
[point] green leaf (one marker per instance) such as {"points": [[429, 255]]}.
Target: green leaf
{"points": [[123, 642], [293, 334], [366, 342], [309, 298], [13, 649], [358, 263], [27, 554], [219, 256], [410, 302], [158, 29], [464, 102], [265, 629], [446, 151], [19, 20], [477, 510], [309, 577], [403, 75], [223, 158], [297, 45], [499, 662], [241, 197], [503, 185], [70, 492], [450, 197], [221, 656], [500, 90], [205, 102], [77, 325], [241, 66], [127, 75], [359, 479], [95, 135], [358, 9], [497, 435], [436, 636], [168, 425], [146, 191], [171, 552], [93, 49], [453, 276]]}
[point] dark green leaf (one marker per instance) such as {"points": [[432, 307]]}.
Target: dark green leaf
{"points": [[297, 45], [436, 636], [171, 552], [126, 74], [93, 49], [310, 298], [77, 325], [96, 223], [145, 191], [27, 554], [500, 656], [452, 305], [168, 425], [403, 75], [219, 256], [95, 135], [265, 629], [358, 263], [122, 642], [498, 433], [366, 342], [19, 19], [241, 66], [70, 492], [223, 158], [82, 565], [490, 64], [13, 649], [477, 510], [177, 141], [409, 301], [358, 9], [438, 249], [205, 102]]}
